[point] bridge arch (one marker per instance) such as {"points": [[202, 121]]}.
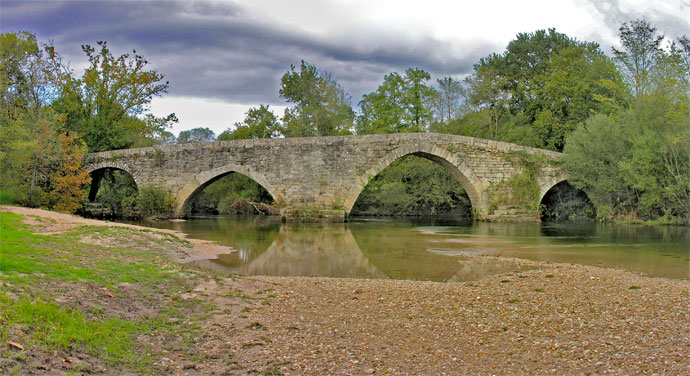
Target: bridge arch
{"points": [[549, 184], [456, 167], [204, 179], [97, 172]]}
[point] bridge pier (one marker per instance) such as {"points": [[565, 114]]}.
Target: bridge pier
{"points": [[312, 214]]}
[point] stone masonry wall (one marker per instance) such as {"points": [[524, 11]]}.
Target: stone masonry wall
{"points": [[324, 173]]}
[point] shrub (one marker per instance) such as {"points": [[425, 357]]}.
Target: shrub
{"points": [[154, 201]]}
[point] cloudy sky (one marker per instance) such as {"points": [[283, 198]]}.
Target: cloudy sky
{"points": [[222, 57]]}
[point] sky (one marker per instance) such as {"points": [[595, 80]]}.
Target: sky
{"points": [[223, 57]]}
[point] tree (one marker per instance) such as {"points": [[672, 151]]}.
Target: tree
{"points": [[488, 90], [321, 105], [544, 84], [580, 81], [259, 123], [103, 106], [447, 101], [400, 104], [28, 148], [70, 176], [636, 164], [640, 54], [24, 76], [196, 135]]}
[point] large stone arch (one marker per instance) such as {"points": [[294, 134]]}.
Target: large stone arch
{"points": [[458, 168], [96, 171], [203, 179]]}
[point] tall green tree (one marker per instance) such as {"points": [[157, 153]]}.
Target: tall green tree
{"points": [[640, 54], [400, 104], [542, 86], [489, 91], [39, 166], [321, 105], [25, 85], [448, 100], [637, 164], [103, 106], [259, 123]]}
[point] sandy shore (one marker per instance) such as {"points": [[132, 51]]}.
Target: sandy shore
{"points": [[551, 319], [58, 222]]}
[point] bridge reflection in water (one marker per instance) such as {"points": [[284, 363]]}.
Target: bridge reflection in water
{"points": [[404, 250]]}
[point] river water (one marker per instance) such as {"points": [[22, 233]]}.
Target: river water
{"points": [[437, 250]]}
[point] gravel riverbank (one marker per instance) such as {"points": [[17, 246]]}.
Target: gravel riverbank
{"points": [[555, 319], [542, 318]]}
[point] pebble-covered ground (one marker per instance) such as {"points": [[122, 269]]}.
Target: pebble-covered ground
{"points": [[542, 318], [555, 319]]}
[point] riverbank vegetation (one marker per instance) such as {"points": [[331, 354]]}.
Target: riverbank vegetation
{"points": [[622, 119]]}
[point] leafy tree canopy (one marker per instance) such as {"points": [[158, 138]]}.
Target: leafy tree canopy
{"points": [[321, 105], [399, 104], [196, 135], [552, 80], [259, 123], [104, 104]]}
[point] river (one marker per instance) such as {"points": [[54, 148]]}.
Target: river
{"points": [[432, 249]]}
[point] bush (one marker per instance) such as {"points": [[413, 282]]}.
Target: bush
{"points": [[154, 201], [5, 198]]}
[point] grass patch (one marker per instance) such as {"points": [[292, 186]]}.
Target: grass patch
{"points": [[52, 297], [52, 328]]}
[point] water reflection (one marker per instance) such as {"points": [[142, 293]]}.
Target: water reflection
{"points": [[429, 250], [301, 250]]}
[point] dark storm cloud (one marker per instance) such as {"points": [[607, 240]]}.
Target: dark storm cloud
{"points": [[220, 50], [216, 50]]}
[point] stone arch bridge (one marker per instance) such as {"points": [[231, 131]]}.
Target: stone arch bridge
{"points": [[321, 177]]}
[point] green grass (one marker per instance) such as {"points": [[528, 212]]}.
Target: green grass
{"points": [[27, 257], [35, 269], [53, 328]]}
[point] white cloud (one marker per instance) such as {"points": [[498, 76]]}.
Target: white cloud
{"points": [[204, 113]]}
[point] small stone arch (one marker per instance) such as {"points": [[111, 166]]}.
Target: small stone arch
{"points": [[551, 181], [203, 179], [458, 168], [97, 170]]}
